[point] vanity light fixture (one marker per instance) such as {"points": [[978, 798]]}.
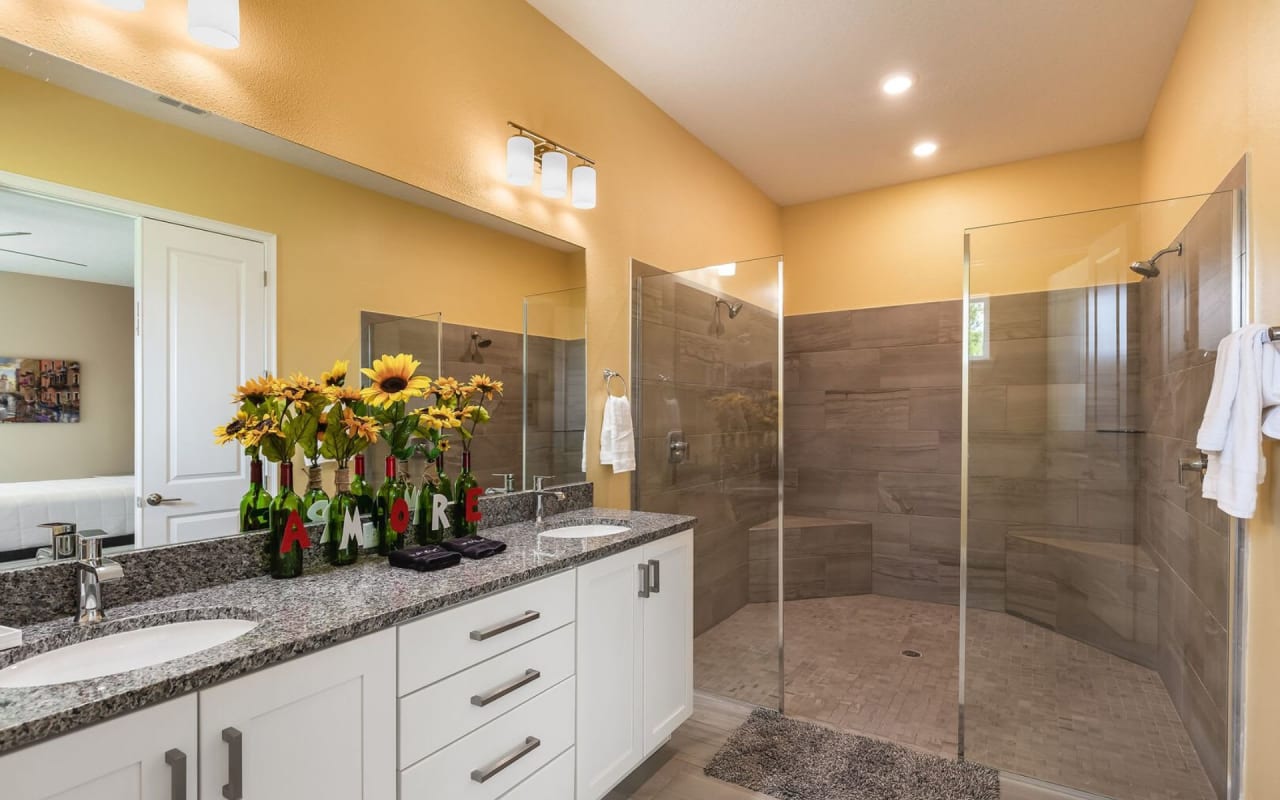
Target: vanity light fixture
{"points": [[924, 149], [528, 151], [214, 22], [125, 5], [727, 270], [897, 83]]}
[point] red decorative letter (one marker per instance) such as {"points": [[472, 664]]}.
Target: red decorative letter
{"points": [[472, 508], [294, 532], [400, 515]]}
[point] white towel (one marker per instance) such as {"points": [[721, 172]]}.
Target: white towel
{"points": [[617, 440], [1231, 433]]}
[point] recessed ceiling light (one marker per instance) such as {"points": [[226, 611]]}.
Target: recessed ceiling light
{"points": [[924, 149], [897, 83]]}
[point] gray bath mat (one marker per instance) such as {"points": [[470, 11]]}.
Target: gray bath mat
{"points": [[794, 760]]}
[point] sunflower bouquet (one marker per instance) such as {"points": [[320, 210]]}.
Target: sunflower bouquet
{"points": [[473, 395], [394, 383], [247, 428]]}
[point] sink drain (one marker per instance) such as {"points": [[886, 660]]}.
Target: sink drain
{"points": [[911, 653]]}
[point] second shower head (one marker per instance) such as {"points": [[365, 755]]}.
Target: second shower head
{"points": [[734, 308]]}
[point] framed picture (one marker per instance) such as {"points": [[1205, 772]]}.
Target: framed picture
{"points": [[39, 390]]}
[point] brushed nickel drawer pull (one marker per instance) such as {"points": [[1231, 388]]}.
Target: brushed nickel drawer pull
{"points": [[523, 619], [531, 743], [177, 761], [655, 570], [234, 788], [644, 580], [529, 676]]}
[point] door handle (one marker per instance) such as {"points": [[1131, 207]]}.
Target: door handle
{"points": [[523, 619], [234, 788], [1196, 464], [483, 774], [155, 499], [177, 761], [644, 579], [482, 700], [655, 572]]}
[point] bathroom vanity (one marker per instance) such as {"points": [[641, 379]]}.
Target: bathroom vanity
{"points": [[545, 673]]}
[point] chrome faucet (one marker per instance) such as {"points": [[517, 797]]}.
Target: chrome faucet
{"points": [[508, 483], [92, 570], [540, 493]]}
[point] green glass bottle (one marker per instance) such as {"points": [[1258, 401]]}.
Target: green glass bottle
{"points": [[422, 532], [342, 537], [315, 503], [288, 540], [393, 511], [445, 487], [466, 482], [255, 506], [361, 489]]}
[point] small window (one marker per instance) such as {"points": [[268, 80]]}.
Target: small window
{"points": [[979, 329]]}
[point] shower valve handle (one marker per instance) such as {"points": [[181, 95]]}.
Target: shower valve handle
{"points": [[1198, 464]]}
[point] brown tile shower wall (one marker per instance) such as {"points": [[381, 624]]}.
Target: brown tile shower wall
{"points": [[1186, 312], [873, 410], [720, 392]]}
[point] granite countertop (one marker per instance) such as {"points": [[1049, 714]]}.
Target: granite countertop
{"points": [[322, 608]]}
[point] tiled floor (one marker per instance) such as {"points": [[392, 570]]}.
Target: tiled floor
{"points": [[675, 771], [1037, 703]]}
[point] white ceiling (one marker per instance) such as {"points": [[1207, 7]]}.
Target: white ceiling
{"points": [[101, 241], [789, 90]]}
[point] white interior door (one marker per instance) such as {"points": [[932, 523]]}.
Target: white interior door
{"points": [[202, 332]]}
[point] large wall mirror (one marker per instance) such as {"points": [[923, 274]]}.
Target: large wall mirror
{"points": [[154, 256]]}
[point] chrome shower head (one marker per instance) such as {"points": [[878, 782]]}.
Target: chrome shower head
{"points": [[734, 308], [1148, 268]]}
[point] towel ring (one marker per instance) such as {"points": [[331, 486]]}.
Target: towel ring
{"points": [[609, 375]]}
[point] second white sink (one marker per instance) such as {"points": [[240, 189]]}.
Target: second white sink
{"points": [[121, 652], [583, 531]]}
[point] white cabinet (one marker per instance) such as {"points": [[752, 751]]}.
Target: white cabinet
{"points": [[635, 658], [322, 727], [147, 755]]}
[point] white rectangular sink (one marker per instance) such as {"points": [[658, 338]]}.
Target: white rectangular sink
{"points": [[121, 652], [583, 531]]}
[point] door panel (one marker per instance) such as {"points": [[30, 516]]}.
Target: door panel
{"points": [[202, 333], [668, 639]]}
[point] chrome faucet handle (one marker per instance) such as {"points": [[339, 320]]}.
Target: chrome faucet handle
{"points": [[91, 559], [539, 481], [65, 540], [508, 481]]}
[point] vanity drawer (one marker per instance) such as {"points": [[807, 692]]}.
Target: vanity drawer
{"points": [[447, 710], [440, 645], [525, 738], [552, 782]]}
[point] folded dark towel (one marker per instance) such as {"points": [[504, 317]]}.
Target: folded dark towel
{"points": [[424, 559], [475, 546]]}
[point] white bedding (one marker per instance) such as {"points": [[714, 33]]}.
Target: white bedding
{"points": [[105, 504]]}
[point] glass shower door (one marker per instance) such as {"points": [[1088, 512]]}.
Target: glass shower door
{"points": [[555, 386], [1097, 599], [706, 383]]}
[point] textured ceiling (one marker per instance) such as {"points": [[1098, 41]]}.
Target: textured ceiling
{"points": [[789, 90]]}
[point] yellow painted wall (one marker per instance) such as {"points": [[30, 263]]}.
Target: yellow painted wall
{"points": [[1221, 99], [421, 90], [341, 249], [904, 243], [78, 321]]}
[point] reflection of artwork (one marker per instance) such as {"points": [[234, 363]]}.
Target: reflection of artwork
{"points": [[39, 390]]}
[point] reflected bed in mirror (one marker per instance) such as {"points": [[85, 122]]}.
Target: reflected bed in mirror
{"points": [[185, 253]]}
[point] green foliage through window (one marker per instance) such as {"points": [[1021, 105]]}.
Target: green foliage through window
{"points": [[978, 328]]}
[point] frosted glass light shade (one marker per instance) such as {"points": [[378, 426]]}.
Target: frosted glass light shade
{"points": [[214, 22], [584, 187], [555, 174], [125, 5], [520, 160]]}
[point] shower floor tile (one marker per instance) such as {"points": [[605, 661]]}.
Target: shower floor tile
{"points": [[1038, 703]]}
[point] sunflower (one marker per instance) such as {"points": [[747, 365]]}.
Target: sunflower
{"points": [[484, 385], [443, 444], [336, 376], [360, 427], [296, 389], [233, 430], [322, 425], [255, 390], [442, 418], [394, 381], [447, 388], [342, 394], [257, 430]]}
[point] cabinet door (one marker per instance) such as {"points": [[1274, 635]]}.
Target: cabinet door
{"points": [[610, 664], [668, 638], [121, 759], [321, 727]]}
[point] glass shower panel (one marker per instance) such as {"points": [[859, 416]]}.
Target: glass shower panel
{"points": [[706, 377], [555, 387], [1096, 593], [389, 334]]}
